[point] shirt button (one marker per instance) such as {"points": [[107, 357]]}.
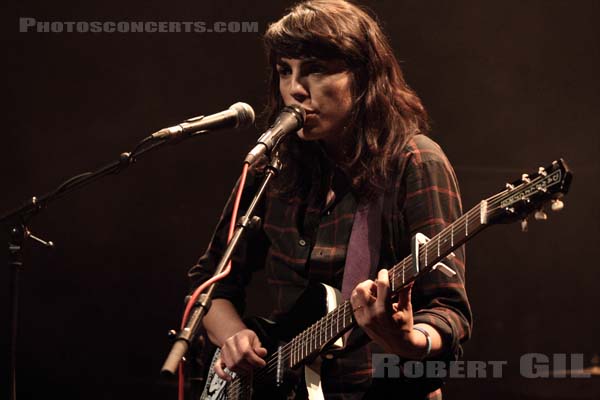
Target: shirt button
{"points": [[302, 242], [328, 212]]}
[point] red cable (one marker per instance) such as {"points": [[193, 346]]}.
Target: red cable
{"points": [[222, 275]]}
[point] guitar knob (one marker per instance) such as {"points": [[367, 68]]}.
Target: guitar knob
{"points": [[540, 215], [524, 225], [557, 205]]}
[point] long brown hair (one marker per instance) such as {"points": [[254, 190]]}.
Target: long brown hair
{"points": [[386, 112]]}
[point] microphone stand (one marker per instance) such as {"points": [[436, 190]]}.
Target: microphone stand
{"points": [[17, 220], [188, 333]]}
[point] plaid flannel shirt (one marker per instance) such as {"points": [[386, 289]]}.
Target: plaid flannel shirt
{"points": [[303, 240]]}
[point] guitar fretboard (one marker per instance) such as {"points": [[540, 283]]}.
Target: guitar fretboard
{"points": [[439, 247]]}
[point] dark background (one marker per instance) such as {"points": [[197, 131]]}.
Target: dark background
{"points": [[510, 86]]}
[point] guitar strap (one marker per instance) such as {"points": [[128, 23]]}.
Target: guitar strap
{"points": [[364, 245]]}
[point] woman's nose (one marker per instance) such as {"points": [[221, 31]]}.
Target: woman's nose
{"points": [[298, 88]]}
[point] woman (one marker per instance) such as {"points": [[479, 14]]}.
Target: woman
{"points": [[363, 146]]}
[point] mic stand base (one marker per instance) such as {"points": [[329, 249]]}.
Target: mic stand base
{"points": [[15, 262]]}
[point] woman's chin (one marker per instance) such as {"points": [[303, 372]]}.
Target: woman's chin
{"points": [[308, 134]]}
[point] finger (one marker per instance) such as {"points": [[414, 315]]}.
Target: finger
{"points": [[405, 295], [356, 296], [233, 357], [249, 355], [253, 359], [383, 290], [218, 367], [363, 289], [257, 345], [260, 351], [365, 293]]}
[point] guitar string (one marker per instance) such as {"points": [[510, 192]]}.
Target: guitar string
{"points": [[494, 203], [269, 368], [344, 309], [442, 236]]}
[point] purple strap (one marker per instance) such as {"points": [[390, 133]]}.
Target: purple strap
{"points": [[364, 245]]}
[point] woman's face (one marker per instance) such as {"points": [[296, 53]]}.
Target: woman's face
{"points": [[323, 89]]}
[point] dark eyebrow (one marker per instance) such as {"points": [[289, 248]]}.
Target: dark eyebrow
{"points": [[330, 65], [303, 60]]}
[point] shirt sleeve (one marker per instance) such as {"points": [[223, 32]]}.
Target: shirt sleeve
{"points": [[248, 257], [432, 202]]}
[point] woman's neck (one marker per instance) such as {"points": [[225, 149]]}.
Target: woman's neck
{"points": [[336, 149]]}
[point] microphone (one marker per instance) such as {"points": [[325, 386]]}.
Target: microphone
{"points": [[239, 115], [290, 119]]}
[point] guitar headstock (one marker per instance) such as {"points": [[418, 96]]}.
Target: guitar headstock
{"points": [[530, 194]]}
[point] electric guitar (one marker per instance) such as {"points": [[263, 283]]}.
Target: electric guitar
{"points": [[319, 319]]}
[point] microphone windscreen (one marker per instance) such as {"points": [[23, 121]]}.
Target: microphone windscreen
{"points": [[245, 114]]}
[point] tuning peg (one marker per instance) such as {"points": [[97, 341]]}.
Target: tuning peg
{"points": [[542, 189], [557, 205], [540, 215], [524, 225], [542, 171], [525, 178], [43, 242]]}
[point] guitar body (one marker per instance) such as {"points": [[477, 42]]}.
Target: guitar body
{"points": [[314, 303]]}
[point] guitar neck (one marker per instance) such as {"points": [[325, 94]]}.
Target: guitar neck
{"points": [[322, 332], [516, 201], [440, 246]]}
